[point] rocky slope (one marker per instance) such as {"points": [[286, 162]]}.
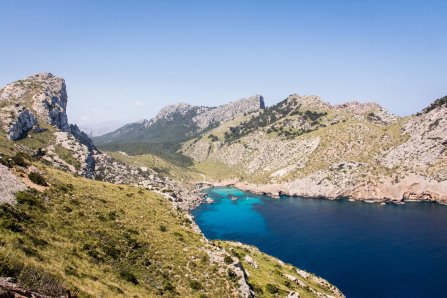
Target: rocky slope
{"points": [[174, 124], [304, 146], [33, 115]]}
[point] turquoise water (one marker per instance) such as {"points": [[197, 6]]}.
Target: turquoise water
{"points": [[367, 250]]}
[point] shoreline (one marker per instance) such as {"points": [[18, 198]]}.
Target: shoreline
{"points": [[374, 195]]}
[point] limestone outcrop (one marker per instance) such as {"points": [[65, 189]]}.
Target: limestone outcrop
{"points": [[23, 123], [41, 100], [204, 117]]}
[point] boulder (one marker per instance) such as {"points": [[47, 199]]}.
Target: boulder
{"points": [[250, 261]]}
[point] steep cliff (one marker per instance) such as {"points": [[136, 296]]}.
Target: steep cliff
{"points": [[33, 112]]}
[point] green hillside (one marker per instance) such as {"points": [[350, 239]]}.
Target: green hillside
{"points": [[95, 239]]}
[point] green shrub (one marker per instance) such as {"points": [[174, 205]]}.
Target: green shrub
{"points": [[10, 217], [272, 289], [11, 224], [128, 276], [232, 274], [178, 235], [205, 259], [24, 197], [195, 285], [32, 277], [37, 179], [167, 286], [228, 260], [18, 160]]}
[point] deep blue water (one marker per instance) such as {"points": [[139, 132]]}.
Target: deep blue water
{"points": [[366, 250]]}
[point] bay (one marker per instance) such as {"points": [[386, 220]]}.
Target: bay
{"points": [[366, 250]]}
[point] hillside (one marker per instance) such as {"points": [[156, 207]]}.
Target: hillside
{"points": [[63, 232], [304, 146], [173, 125]]}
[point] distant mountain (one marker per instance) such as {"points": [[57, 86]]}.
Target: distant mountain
{"points": [[100, 128], [173, 125]]}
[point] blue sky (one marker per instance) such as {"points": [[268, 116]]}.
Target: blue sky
{"points": [[127, 59]]}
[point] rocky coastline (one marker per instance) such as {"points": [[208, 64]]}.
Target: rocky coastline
{"points": [[399, 194]]}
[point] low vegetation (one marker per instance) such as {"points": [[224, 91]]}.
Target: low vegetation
{"points": [[437, 103], [91, 238], [270, 276]]}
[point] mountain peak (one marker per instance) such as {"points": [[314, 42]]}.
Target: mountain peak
{"points": [[356, 107], [311, 101]]}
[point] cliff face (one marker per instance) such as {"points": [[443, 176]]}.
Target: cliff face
{"points": [[206, 116], [40, 102], [43, 94], [304, 146]]}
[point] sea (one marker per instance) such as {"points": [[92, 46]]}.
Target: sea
{"points": [[365, 249]]}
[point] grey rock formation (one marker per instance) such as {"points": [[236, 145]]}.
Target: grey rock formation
{"points": [[308, 101], [44, 93], [42, 99], [9, 185], [229, 111], [295, 280], [206, 116], [82, 137], [24, 122], [250, 261], [169, 112], [426, 145]]}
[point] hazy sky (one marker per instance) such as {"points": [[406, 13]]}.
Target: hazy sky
{"points": [[127, 59]]}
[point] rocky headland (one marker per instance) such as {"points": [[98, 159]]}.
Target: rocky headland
{"points": [[312, 149]]}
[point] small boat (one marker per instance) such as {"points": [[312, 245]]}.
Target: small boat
{"points": [[234, 199]]}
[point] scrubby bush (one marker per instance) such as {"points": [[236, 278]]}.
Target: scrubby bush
{"points": [[195, 285], [37, 179], [128, 276], [24, 197], [228, 260], [18, 160], [272, 289]]}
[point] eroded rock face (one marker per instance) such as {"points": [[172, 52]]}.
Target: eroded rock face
{"points": [[23, 123], [229, 111], [203, 117], [427, 141], [44, 94], [42, 99]]}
